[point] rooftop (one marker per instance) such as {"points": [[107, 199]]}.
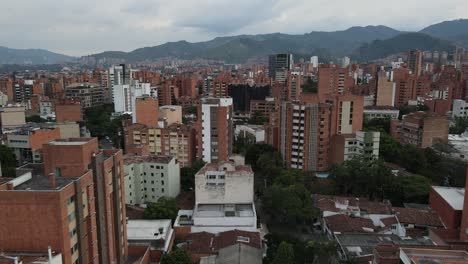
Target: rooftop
{"points": [[204, 242], [131, 159], [223, 210], [434, 256], [454, 196], [70, 141], [358, 245], [37, 182]]}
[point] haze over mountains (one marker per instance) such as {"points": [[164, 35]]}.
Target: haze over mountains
{"points": [[360, 43]]}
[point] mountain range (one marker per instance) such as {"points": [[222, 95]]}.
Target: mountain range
{"points": [[31, 56], [360, 43]]}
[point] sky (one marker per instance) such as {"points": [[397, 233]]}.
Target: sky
{"points": [[83, 27]]}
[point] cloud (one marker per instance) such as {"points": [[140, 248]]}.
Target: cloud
{"points": [[88, 26]]}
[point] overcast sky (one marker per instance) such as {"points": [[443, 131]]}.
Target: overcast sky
{"points": [[81, 27]]}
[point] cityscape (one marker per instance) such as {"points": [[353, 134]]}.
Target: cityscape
{"points": [[336, 147]]}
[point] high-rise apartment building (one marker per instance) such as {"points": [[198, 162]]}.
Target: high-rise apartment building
{"points": [[90, 94], [415, 61], [333, 79], [385, 90], [421, 129], [215, 136], [304, 131], [279, 66], [125, 95], [73, 202], [77, 156], [347, 114]]}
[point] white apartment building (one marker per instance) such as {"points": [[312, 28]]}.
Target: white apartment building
{"points": [[148, 178], [252, 133], [216, 128], [460, 108], [364, 143], [224, 199], [125, 96]]}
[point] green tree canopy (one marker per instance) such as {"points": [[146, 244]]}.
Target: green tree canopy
{"points": [[165, 208], [8, 162], [460, 125], [187, 175], [284, 254], [178, 256]]}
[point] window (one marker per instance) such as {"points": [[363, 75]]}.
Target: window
{"points": [[243, 239], [162, 190], [71, 217], [162, 182], [73, 233], [74, 249]]}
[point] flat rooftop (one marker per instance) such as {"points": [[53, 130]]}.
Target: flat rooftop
{"points": [[454, 196], [71, 141], [220, 210], [148, 229], [42, 183], [163, 159], [358, 244], [435, 256]]}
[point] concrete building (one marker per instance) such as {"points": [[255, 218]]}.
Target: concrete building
{"points": [[170, 114], [215, 136], [148, 178], [252, 133], [47, 109], [12, 117], [314, 60], [156, 233], [459, 108], [27, 142], [279, 66], [385, 90], [420, 129], [3, 99], [362, 144], [224, 199], [90, 94]]}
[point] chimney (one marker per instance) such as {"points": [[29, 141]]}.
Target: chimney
{"points": [[52, 180], [10, 186]]}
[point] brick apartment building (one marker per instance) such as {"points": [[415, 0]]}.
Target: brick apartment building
{"points": [[73, 203], [177, 140], [421, 129], [333, 79], [215, 136]]}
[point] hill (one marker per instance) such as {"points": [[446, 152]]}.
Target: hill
{"points": [[237, 49], [455, 30], [31, 56], [401, 43]]}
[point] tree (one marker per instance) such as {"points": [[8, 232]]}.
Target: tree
{"points": [[310, 86], [257, 118], [8, 162], [289, 204], [412, 158], [284, 254], [164, 208], [363, 177], [187, 175], [254, 151], [35, 119], [414, 188], [178, 256], [377, 124], [460, 125]]}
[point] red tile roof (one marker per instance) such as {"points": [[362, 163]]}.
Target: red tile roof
{"points": [[207, 243], [347, 224], [417, 217]]}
